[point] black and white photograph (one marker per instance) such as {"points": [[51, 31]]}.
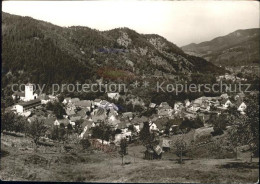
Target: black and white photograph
{"points": [[130, 91]]}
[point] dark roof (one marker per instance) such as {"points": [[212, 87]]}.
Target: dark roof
{"points": [[121, 125], [223, 101], [30, 103], [22, 94], [97, 100], [83, 103]]}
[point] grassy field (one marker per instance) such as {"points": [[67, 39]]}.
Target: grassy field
{"points": [[20, 162]]}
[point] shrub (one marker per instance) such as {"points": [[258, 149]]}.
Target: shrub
{"points": [[85, 143]]}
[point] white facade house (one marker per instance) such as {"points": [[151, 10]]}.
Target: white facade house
{"points": [[113, 95], [97, 102], [25, 106], [242, 107], [226, 103]]}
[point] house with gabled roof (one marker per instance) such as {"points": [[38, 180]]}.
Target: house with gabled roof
{"points": [[97, 102], [226, 103], [224, 96], [164, 110], [187, 103], [240, 105], [66, 100], [178, 106]]}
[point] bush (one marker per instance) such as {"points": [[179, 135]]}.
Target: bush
{"points": [[85, 143]]}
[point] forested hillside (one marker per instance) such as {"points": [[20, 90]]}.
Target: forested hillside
{"points": [[41, 52], [235, 49]]}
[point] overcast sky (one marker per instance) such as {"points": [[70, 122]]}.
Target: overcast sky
{"points": [[179, 21]]}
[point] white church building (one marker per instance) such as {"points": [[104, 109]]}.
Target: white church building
{"points": [[29, 99]]}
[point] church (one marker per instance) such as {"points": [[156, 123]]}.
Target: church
{"points": [[29, 99]]}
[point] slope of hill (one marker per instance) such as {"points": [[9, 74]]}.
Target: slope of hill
{"points": [[41, 52], [237, 48]]}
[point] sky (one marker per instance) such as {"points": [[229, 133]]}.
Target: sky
{"points": [[181, 22]]}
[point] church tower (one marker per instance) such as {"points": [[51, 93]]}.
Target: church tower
{"points": [[29, 92]]}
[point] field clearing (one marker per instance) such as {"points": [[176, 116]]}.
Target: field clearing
{"points": [[95, 166]]}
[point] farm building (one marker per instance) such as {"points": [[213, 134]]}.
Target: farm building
{"points": [[152, 153]]}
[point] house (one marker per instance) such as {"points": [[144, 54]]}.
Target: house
{"points": [[66, 100], [164, 104], [194, 107], [226, 103], [44, 99], [190, 115], [122, 126], [128, 115], [113, 121], [73, 119], [164, 110], [25, 106], [124, 135], [31, 119], [112, 106], [152, 105], [99, 115], [74, 100], [27, 95], [224, 96], [86, 104], [198, 101], [152, 153], [53, 98], [178, 106], [58, 122], [205, 106], [86, 125], [82, 113], [18, 96], [158, 125], [187, 103], [113, 96], [70, 111], [241, 107], [165, 145], [97, 102], [103, 104]]}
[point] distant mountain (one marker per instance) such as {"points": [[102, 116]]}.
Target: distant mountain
{"points": [[41, 52], [237, 48]]}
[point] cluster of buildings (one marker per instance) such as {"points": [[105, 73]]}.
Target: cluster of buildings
{"points": [[91, 113], [202, 106], [230, 77]]}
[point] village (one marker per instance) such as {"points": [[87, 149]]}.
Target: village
{"points": [[89, 113]]}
